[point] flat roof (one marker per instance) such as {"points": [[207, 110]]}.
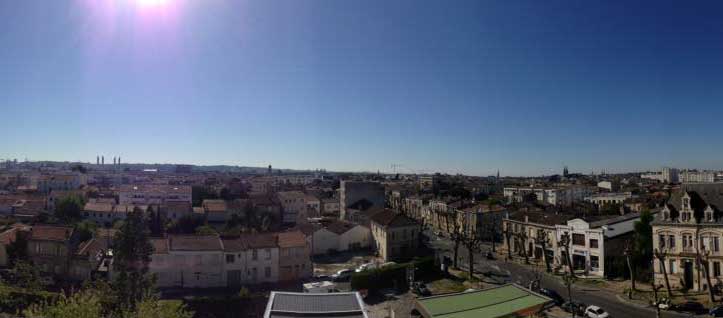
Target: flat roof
{"points": [[338, 305], [490, 303]]}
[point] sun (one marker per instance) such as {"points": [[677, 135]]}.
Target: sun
{"points": [[151, 3]]}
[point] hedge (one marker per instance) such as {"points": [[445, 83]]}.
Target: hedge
{"points": [[392, 276]]}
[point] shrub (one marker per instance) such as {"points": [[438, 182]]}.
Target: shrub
{"points": [[392, 276]]}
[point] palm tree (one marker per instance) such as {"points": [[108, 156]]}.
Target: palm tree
{"points": [[565, 244]]}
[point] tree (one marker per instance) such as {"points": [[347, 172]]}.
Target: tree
{"points": [[152, 307], [85, 229], [628, 255], [661, 256], [155, 222], [132, 253], [85, 304], [18, 249], [543, 240], [472, 240], [565, 244], [187, 224], [456, 233], [27, 276], [508, 237], [644, 238], [205, 230], [705, 263], [68, 208]]}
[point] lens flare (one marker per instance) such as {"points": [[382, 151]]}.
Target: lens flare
{"points": [[151, 3]]}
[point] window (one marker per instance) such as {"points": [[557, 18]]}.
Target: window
{"points": [[594, 262], [578, 239], [593, 243], [671, 241], [268, 253], [671, 267], [254, 255], [716, 247], [661, 241], [716, 269], [267, 272], [230, 258]]}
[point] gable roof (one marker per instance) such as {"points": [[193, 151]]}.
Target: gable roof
{"points": [[259, 240], [235, 244], [340, 227], [291, 239], [51, 233], [194, 243], [500, 301], [318, 305], [391, 218]]}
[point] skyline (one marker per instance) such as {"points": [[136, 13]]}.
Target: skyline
{"points": [[358, 87]]}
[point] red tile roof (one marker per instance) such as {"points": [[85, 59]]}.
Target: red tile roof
{"points": [[391, 218], [260, 240], [51, 233], [195, 243], [291, 239]]}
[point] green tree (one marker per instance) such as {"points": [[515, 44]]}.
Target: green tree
{"points": [[152, 307], [85, 304], [132, 254], [18, 249], [27, 276], [187, 224], [85, 229], [643, 247], [205, 230], [155, 222], [68, 208]]}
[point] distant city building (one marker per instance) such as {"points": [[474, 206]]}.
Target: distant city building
{"points": [[609, 198], [146, 194], [666, 175], [396, 236], [694, 176], [563, 196], [293, 204]]}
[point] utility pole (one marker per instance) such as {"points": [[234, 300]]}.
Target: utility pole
{"points": [[568, 282]]}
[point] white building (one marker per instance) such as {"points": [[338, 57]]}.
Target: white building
{"points": [[147, 194], [293, 203], [340, 236], [609, 198], [188, 261], [694, 176]]}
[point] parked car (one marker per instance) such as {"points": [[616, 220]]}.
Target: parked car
{"points": [[490, 256], [343, 275], [578, 308], [366, 266], [420, 289], [716, 311], [596, 312], [691, 307], [663, 303], [556, 298]]}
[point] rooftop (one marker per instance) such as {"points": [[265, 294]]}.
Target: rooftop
{"points": [[501, 301], [339, 305]]}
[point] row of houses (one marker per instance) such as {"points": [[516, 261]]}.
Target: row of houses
{"points": [[593, 242]]}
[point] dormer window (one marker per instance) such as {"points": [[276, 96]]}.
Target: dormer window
{"points": [[686, 203]]}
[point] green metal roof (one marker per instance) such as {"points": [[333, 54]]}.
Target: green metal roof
{"points": [[493, 302]]}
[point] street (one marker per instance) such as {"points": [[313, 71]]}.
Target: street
{"points": [[500, 271]]}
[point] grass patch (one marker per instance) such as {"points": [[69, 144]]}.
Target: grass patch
{"points": [[445, 286]]}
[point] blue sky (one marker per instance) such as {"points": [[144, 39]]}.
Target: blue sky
{"points": [[460, 87]]}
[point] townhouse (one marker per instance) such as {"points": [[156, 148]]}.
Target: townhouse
{"points": [[688, 232], [396, 235], [294, 256], [293, 205]]}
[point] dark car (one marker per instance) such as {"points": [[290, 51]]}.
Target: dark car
{"points": [[578, 308], [692, 307], [421, 289], [490, 256], [716, 311], [554, 295]]}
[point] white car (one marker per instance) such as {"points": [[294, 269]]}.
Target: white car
{"points": [[596, 312], [366, 266]]}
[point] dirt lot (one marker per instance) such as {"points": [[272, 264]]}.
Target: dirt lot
{"points": [[328, 265]]}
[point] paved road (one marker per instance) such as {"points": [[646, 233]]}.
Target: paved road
{"points": [[512, 272]]}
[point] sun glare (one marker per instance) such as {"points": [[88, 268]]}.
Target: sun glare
{"points": [[151, 3]]}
